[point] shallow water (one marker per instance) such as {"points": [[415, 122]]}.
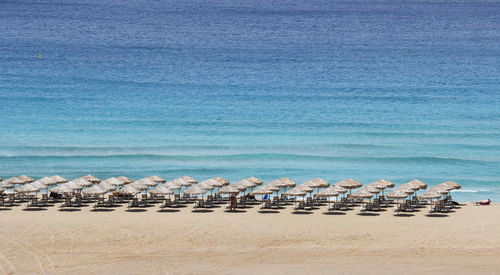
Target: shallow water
{"points": [[359, 89]]}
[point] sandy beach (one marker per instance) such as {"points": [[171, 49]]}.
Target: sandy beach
{"points": [[150, 242]]}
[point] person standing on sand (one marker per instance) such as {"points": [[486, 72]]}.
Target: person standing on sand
{"points": [[232, 203]]}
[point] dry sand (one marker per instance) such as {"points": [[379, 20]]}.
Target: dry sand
{"points": [[151, 242]]}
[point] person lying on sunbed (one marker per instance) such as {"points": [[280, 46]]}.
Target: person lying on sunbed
{"points": [[483, 202]]}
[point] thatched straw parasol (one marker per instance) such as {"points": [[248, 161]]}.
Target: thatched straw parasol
{"points": [[452, 184], [418, 183], [15, 180], [6, 185], [440, 189], [162, 190], [61, 189], [214, 183], [328, 192], [238, 186], [372, 189], [83, 182], [28, 188], [172, 185], [106, 186], [180, 182], [317, 183], [125, 180], [147, 181], [397, 194], [246, 183], [73, 185], [94, 190], [48, 181], [229, 189], [338, 189], [295, 192], [114, 182], [283, 182], [38, 184], [156, 179], [129, 190], [195, 190], [223, 181], [349, 184], [58, 179], [255, 180], [388, 184], [363, 194], [305, 188], [91, 178], [431, 195], [189, 180], [138, 185], [262, 191], [26, 179]]}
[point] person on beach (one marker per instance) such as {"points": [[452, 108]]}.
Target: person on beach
{"points": [[232, 203], [483, 202]]}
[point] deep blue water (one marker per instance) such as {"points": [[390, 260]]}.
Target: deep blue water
{"points": [[335, 89]]}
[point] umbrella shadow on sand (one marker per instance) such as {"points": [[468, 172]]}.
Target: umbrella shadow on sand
{"points": [[403, 215], [35, 209], [5, 209], [436, 215], [202, 211], [170, 210], [298, 212], [102, 210], [235, 211], [334, 213], [268, 211], [136, 210], [70, 209], [369, 214]]}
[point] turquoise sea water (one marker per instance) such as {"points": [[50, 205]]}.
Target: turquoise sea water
{"points": [[334, 89]]}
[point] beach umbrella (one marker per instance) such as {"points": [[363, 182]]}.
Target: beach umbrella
{"points": [[156, 179], [138, 185], [189, 180], [15, 180], [114, 182], [317, 183], [376, 185], [349, 184], [386, 183], [418, 183], [362, 194], [129, 190], [38, 184], [94, 190], [223, 181], [26, 179], [28, 188], [238, 186], [295, 192], [431, 195], [91, 179], [162, 190], [195, 190], [440, 189], [452, 184], [246, 183], [338, 189], [180, 182], [283, 182], [83, 182], [372, 189], [214, 183], [6, 185], [106, 186], [255, 180], [328, 192], [125, 180], [172, 185], [58, 179], [397, 194], [262, 191], [305, 188], [208, 184], [146, 181], [74, 185], [228, 189], [61, 189], [47, 181]]}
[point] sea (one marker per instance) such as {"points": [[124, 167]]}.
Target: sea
{"points": [[398, 90]]}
